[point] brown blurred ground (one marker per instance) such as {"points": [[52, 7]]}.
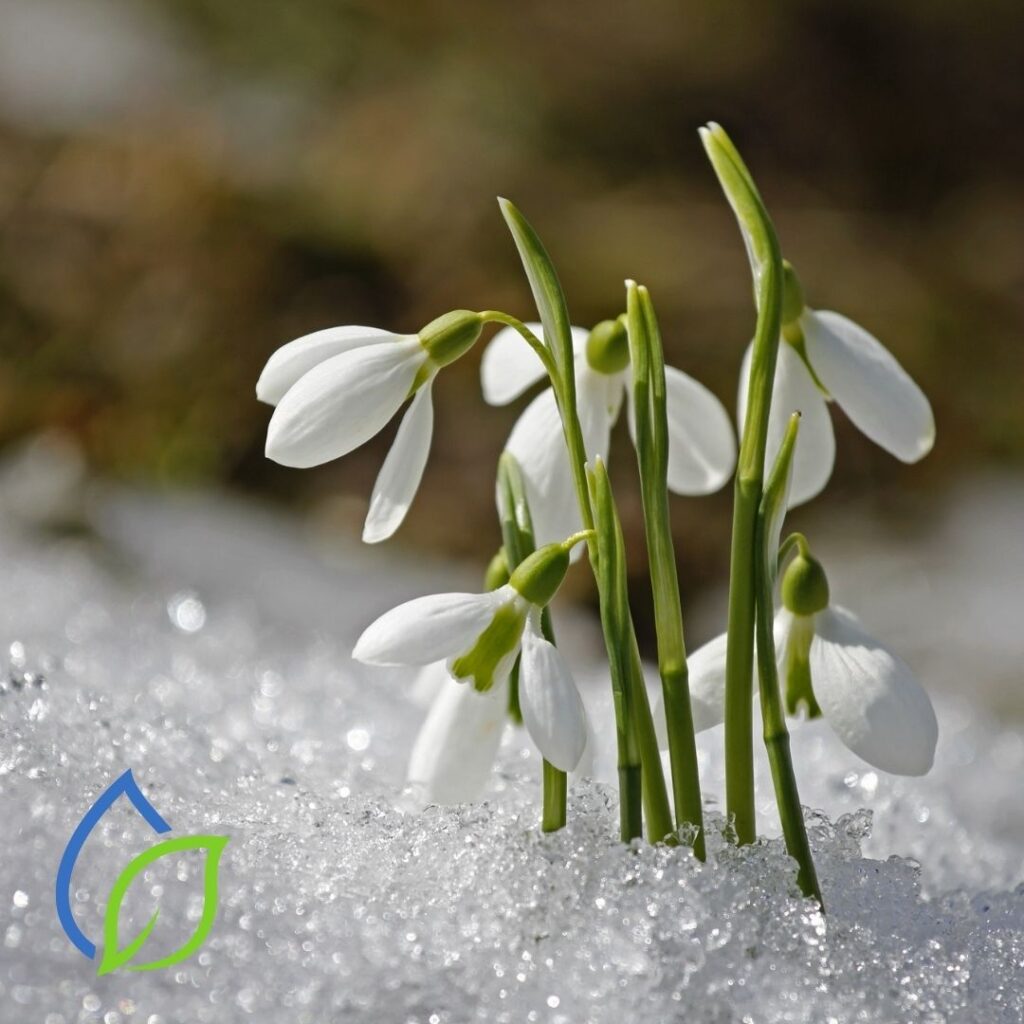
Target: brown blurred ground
{"points": [[187, 184]]}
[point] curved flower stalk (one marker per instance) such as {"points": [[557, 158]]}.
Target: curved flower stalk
{"points": [[702, 446], [832, 668], [482, 635], [335, 389], [826, 357]]}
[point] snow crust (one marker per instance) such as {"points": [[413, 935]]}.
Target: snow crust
{"points": [[205, 647]]}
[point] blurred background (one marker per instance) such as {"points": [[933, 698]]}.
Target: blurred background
{"points": [[187, 184]]}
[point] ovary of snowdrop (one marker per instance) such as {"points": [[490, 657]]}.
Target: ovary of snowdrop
{"points": [[825, 357], [337, 388], [480, 636], [831, 667], [702, 447]]}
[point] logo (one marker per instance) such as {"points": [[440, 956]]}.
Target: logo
{"points": [[114, 954]]}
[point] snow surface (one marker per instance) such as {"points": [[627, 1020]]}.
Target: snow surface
{"points": [[204, 646]]}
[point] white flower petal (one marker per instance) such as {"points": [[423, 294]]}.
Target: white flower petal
{"points": [[429, 628], [702, 445], [342, 403], [552, 709], [509, 366], [454, 751], [427, 685], [580, 336], [707, 683], [795, 391], [538, 444], [863, 376], [870, 697], [297, 358], [402, 471]]}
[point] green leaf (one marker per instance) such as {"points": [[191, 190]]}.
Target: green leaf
{"points": [[514, 511], [739, 188], [775, 499], [115, 956], [547, 291]]}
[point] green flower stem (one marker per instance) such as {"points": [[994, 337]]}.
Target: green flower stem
{"points": [[623, 693], [794, 540], [776, 734], [763, 247], [660, 827], [641, 741], [647, 357], [518, 540]]}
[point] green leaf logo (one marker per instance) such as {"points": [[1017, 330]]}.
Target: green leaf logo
{"points": [[115, 957]]}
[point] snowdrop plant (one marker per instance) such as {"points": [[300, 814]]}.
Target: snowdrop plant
{"points": [[491, 656], [790, 343]]}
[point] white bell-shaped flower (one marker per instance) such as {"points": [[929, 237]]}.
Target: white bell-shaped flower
{"points": [[866, 693], [480, 636], [335, 389], [831, 667], [702, 446], [825, 357]]}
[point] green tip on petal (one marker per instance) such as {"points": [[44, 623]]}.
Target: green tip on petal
{"points": [[797, 670], [493, 647]]}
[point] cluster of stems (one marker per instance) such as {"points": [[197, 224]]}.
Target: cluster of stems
{"points": [[644, 793]]}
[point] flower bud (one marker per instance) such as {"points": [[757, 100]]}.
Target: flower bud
{"points": [[451, 336], [805, 586], [608, 347], [792, 294], [538, 576]]}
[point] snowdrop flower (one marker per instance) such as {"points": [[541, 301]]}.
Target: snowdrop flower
{"points": [[335, 389], [832, 668], [481, 635], [702, 448], [825, 357]]}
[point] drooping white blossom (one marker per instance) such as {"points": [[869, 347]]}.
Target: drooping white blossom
{"points": [[481, 636], [837, 360], [335, 389], [702, 446], [866, 693]]}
